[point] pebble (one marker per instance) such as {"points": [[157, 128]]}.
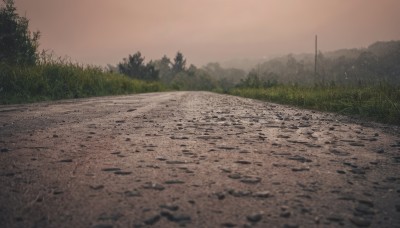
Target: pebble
{"points": [[251, 180], [286, 214], [243, 162], [300, 169], [133, 193], [235, 176], [123, 173], [208, 137], [299, 158], [396, 159], [347, 196], [96, 187], [290, 225], [335, 218], [9, 174], [360, 222], [154, 186], [363, 209], [174, 182], [254, 218], [102, 226], [367, 202], [356, 144], [357, 171], [57, 192], [179, 137], [112, 216], [152, 220], [110, 169], [339, 152], [238, 193], [220, 195], [169, 206], [263, 194], [175, 162], [228, 224], [226, 148], [4, 150], [226, 170], [180, 218]]}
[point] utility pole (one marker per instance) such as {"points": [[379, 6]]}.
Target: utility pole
{"points": [[316, 55]]}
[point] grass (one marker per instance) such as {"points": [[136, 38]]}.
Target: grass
{"points": [[379, 103], [59, 80]]}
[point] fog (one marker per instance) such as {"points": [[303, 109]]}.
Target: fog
{"points": [[102, 31]]}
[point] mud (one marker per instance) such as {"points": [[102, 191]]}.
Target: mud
{"points": [[194, 159]]}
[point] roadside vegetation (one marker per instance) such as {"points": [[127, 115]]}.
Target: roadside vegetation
{"points": [[379, 103], [363, 82], [58, 80]]}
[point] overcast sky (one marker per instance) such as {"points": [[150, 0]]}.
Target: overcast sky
{"points": [[105, 31]]}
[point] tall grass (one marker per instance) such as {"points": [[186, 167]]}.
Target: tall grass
{"points": [[380, 102], [62, 80]]}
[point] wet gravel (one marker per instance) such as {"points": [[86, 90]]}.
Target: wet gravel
{"points": [[194, 159]]}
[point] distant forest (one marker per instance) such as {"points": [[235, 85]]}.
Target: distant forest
{"points": [[379, 63]]}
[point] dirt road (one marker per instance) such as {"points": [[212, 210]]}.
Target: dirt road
{"points": [[193, 159]]}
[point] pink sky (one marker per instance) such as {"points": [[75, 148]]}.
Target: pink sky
{"points": [[105, 31]]}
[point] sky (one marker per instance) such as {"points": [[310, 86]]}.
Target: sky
{"points": [[103, 32]]}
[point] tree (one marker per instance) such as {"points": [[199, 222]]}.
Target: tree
{"points": [[151, 73], [134, 67], [18, 45], [179, 64], [163, 66]]}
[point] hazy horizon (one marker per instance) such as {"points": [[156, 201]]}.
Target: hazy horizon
{"points": [[103, 32]]}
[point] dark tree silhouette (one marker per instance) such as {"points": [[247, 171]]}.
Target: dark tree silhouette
{"points": [[134, 67], [179, 64], [17, 44]]}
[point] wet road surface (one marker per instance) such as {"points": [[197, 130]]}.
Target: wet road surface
{"points": [[193, 159]]}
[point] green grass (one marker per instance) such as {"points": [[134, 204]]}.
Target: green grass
{"points": [[58, 80], [379, 103]]}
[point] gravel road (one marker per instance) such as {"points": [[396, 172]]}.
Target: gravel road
{"points": [[194, 159]]}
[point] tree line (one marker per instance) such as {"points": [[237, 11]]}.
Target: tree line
{"points": [[176, 74]]}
